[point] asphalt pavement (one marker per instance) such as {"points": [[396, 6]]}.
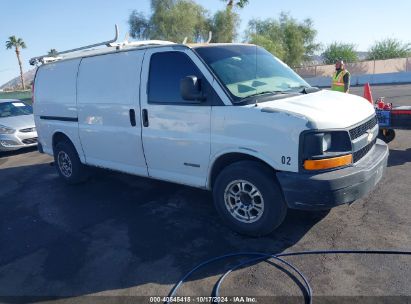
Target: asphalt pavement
{"points": [[121, 235]]}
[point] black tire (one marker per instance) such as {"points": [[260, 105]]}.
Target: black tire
{"points": [[387, 135], [264, 180], [78, 172]]}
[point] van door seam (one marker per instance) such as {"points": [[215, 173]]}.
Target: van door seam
{"points": [[140, 109], [77, 107]]}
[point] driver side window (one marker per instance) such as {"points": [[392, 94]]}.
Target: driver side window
{"points": [[165, 73]]}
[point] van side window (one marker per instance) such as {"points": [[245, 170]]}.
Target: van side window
{"points": [[166, 71]]}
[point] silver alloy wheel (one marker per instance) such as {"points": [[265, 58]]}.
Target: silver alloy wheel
{"points": [[244, 201], [64, 163]]}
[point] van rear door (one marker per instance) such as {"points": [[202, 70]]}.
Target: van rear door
{"points": [[108, 111], [55, 106]]}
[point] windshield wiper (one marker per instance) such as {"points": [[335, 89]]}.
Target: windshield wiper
{"points": [[264, 93], [310, 90], [304, 89]]}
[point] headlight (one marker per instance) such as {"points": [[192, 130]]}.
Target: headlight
{"points": [[6, 130], [326, 142], [325, 150]]}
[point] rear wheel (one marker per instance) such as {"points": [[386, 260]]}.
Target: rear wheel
{"points": [[68, 163], [248, 198]]}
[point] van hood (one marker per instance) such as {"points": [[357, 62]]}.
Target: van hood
{"points": [[324, 109]]}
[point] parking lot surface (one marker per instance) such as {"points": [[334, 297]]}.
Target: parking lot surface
{"points": [[121, 235]]}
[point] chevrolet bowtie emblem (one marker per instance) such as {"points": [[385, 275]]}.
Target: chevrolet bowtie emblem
{"points": [[370, 136]]}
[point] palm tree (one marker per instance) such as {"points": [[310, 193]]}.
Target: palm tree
{"points": [[17, 44]]}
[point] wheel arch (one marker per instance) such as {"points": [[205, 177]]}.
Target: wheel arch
{"points": [[59, 136], [222, 161]]}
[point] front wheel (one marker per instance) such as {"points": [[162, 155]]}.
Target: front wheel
{"points": [[248, 198]]}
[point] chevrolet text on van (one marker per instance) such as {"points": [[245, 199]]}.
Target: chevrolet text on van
{"points": [[230, 118]]}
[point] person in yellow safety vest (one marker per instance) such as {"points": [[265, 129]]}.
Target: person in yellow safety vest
{"points": [[341, 78]]}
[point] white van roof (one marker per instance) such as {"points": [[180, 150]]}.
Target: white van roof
{"points": [[113, 46], [111, 49], [90, 50], [100, 51]]}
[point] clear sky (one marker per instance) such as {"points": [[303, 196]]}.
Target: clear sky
{"points": [[46, 24]]}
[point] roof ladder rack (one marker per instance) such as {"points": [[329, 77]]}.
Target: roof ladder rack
{"points": [[42, 59]]}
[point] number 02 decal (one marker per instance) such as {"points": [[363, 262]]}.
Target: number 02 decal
{"points": [[286, 160]]}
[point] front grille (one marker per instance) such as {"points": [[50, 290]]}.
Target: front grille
{"points": [[362, 152], [29, 141], [361, 129], [27, 130]]}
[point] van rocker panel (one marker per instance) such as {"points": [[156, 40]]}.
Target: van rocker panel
{"points": [[317, 191]]}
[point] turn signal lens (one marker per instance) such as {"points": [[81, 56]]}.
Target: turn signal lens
{"points": [[328, 163]]}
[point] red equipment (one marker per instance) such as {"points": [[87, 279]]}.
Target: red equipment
{"points": [[367, 93]]}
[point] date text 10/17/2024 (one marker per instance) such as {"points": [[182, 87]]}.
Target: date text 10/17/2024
{"points": [[198, 299]]}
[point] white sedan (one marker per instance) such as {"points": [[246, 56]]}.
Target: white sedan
{"points": [[17, 129]]}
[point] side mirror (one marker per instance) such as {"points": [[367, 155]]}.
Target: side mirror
{"points": [[190, 89]]}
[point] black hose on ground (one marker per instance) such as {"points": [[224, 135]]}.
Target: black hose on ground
{"points": [[258, 257]]}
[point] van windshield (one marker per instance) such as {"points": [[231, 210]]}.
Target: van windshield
{"points": [[14, 108], [249, 70]]}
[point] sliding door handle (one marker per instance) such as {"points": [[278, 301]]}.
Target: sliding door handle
{"points": [[145, 117], [132, 114]]}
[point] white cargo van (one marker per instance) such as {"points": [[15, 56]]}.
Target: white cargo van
{"points": [[230, 118]]}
